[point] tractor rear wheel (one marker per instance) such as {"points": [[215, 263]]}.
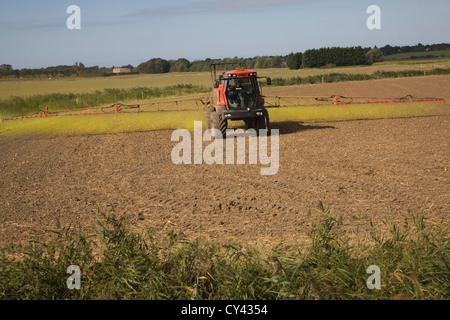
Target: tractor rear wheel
{"points": [[218, 122]]}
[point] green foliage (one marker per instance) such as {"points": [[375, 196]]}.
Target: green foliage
{"points": [[6, 67], [156, 65], [250, 63], [77, 70], [180, 65], [316, 58], [414, 262], [374, 55], [294, 60]]}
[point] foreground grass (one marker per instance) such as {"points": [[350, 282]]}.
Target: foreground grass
{"points": [[414, 264]]}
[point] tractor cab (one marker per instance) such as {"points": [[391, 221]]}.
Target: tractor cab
{"points": [[241, 91]]}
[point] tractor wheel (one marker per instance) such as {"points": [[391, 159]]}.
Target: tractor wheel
{"points": [[264, 123], [208, 118], [218, 122]]}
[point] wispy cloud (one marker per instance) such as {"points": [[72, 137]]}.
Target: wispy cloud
{"points": [[216, 6], [61, 24], [33, 25]]}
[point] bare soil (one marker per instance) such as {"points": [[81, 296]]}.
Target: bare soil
{"points": [[381, 170]]}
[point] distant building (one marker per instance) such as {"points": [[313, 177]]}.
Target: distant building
{"points": [[121, 70]]}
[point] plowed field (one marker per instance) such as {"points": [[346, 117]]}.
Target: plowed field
{"points": [[377, 169]]}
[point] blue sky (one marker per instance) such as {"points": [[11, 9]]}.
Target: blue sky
{"points": [[33, 34]]}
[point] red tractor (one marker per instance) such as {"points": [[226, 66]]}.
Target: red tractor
{"points": [[237, 96]]}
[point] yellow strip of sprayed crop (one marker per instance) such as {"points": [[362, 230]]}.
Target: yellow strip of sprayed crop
{"points": [[101, 124], [356, 112], [185, 119]]}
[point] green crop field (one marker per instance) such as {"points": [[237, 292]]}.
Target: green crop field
{"points": [[27, 88]]}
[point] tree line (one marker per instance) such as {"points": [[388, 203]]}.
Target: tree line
{"points": [[388, 49], [158, 65], [155, 65], [312, 58], [76, 70], [332, 57]]}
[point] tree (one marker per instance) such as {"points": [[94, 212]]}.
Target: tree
{"points": [[156, 65], [309, 59], [374, 55], [360, 57], [316, 58], [78, 66], [180, 65], [6, 67], [274, 62], [128, 66], [294, 60]]}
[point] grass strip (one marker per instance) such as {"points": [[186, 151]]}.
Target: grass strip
{"points": [[117, 263]]}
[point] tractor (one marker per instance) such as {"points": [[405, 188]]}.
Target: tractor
{"points": [[237, 96]]}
